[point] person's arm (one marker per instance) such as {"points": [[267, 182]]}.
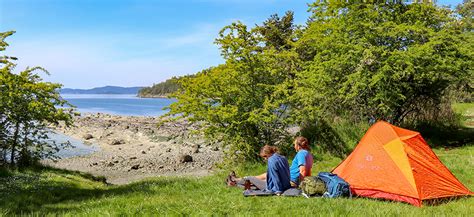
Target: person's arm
{"points": [[301, 160], [303, 172]]}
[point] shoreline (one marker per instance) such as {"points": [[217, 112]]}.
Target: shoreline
{"points": [[132, 148], [153, 96]]}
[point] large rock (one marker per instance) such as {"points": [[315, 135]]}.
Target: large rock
{"points": [[88, 136], [185, 158], [117, 142], [195, 148]]}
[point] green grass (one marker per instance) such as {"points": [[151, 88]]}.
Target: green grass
{"points": [[54, 192], [50, 191], [466, 110]]}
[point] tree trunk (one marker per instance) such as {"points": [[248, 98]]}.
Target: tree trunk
{"points": [[3, 142], [3, 147], [25, 156], [4, 159], [14, 144]]}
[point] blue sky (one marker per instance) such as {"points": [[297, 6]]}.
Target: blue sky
{"points": [[90, 43]]}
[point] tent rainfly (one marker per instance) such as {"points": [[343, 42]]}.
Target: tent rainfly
{"points": [[397, 164]]}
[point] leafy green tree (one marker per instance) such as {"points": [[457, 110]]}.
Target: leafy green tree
{"points": [[28, 105], [4, 124], [244, 102], [465, 24], [466, 13], [392, 61], [278, 33], [384, 61]]}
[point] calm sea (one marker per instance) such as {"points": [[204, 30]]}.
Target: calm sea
{"points": [[129, 105]]}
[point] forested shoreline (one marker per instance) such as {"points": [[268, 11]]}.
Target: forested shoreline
{"points": [[161, 90]]}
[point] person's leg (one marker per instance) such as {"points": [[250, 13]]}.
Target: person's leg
{"points": [[262, 176], [260, 184], [258, 181], [231, 179]]}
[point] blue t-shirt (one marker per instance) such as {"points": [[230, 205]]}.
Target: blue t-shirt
{"points": [[278, 174], [302, 158]]}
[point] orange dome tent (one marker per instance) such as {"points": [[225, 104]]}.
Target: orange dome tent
{"points": [[397, 164]]}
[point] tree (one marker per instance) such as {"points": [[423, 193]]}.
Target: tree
{"points": [[466, 13], [381, 60], [278, 33], [464, 23], [27, 106], [245, 100], [4, 124], [389, 60]]}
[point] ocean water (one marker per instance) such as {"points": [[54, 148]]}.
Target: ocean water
{"points": [[129, 105], [76, 147]]}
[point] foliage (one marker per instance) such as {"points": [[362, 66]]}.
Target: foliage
{"points": [[404, 63], [162, 89], [466, 13], [380, 61], [245, 100], [336, 138], [465, 24], [27, 106]]}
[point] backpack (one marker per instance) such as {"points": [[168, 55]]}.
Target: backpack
{"points": [[312, 185], [335, 185]]}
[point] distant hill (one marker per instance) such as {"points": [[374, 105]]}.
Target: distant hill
{"points": [[103, 90]]}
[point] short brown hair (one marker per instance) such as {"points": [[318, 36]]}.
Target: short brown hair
{"points": [[302, 142], [268, 151]]}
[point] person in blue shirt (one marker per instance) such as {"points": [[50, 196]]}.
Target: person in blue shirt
{"points": [[275, 181], [302, 163], [278, 172]]}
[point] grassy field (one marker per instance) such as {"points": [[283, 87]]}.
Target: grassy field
{"points": [[60, 192], [56, 192], [466, 110]]}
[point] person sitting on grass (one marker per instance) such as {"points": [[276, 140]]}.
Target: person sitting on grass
{"points": [[302, 163], [275, 181]]}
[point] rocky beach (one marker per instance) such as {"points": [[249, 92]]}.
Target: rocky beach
{"points": [[132, 148]]}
